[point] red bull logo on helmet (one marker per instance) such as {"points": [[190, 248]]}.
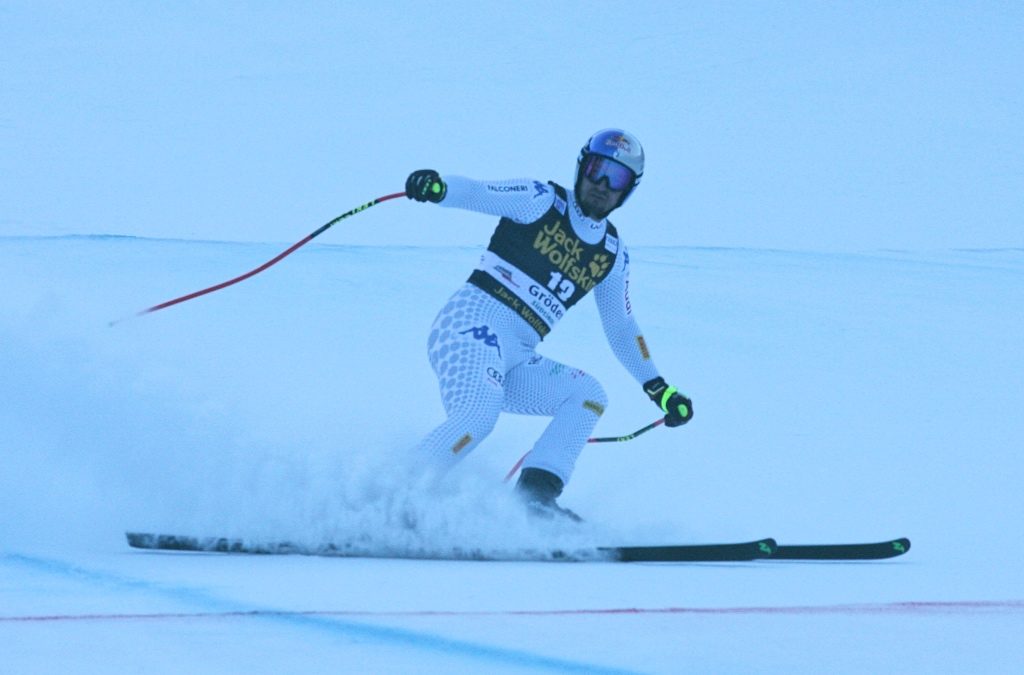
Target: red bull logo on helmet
{"points": [[618, 142]]}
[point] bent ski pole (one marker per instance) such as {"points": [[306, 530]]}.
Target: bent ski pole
{"points": [[606, 439], [273, 261]]}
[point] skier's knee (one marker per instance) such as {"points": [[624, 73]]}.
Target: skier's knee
{"points": [[474, 425], [593, 396]]}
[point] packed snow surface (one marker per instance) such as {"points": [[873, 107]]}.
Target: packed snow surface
{"points": [[838, 397]]}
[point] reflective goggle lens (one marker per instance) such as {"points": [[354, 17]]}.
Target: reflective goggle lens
{"points": [[619, 176]]}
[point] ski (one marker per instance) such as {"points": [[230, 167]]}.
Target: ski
{"points": [[872, 551], [751, 550], [743, 551], [761, 548]]}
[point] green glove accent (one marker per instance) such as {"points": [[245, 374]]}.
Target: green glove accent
{"points": [[677, 407], [665, 396]]}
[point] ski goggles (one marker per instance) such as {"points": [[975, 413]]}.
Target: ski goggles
{"points": [[620, 177]]}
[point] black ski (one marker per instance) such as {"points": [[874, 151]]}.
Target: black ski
{"points": [[750, 550], [762, 548], [873, 551]]}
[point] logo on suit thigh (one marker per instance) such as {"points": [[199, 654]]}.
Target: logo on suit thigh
{"points": [[495, 377], [484, 334]]}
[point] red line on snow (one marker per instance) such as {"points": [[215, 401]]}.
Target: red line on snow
{"points": [[913, 607]]}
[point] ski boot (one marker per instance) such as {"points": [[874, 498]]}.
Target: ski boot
{"points": [[538, 489]]}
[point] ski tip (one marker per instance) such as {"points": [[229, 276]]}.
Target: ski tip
{"points": [[900, 546], [880, 550]]}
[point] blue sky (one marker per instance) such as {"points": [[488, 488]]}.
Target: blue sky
{"points": [[824, 126]]}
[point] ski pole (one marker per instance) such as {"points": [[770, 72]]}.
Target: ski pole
{"points": [[606, 439], [273, 261]]}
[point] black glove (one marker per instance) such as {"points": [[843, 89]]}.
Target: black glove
{"points": [[425, 185], [677, 408]]}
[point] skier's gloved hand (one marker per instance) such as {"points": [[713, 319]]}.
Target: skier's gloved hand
{"points": [[425, 185], [678, 409]]}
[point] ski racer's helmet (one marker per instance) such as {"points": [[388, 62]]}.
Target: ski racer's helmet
{"points": [[619, 147]]}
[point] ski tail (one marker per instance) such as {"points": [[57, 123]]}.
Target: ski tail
{"points": [[172, 542]]}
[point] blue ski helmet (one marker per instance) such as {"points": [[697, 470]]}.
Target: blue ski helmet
{"points": [[619, 146]]}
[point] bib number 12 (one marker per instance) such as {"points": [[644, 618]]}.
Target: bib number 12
{"points": [[562, 287]]}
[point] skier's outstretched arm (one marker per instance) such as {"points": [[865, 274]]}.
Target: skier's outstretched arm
{"points": [[523, 200]]}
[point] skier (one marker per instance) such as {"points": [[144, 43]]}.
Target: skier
{"points": [[551, 247]]}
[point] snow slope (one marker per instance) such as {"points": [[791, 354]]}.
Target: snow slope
{"points": [[838, 397]]}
